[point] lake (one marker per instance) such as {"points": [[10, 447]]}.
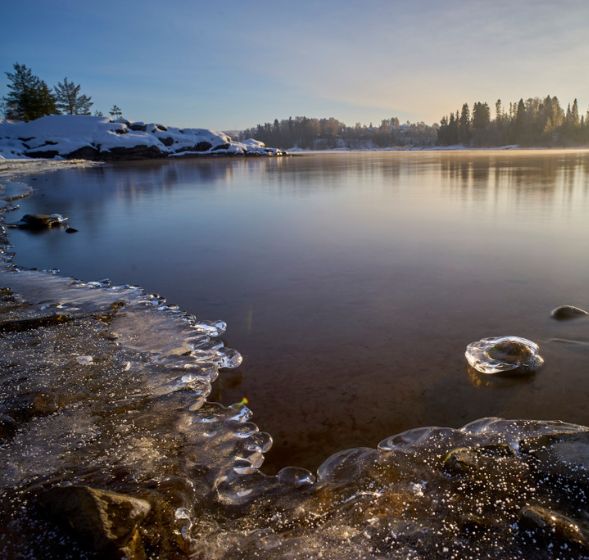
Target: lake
{"points": [[351, 282]]}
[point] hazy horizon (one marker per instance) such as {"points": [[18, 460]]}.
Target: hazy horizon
{"points": [[232, 66]]}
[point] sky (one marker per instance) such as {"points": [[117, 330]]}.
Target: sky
{"points": [[231, 64]]}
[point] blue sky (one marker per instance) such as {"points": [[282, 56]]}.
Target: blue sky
{"points": [[232, 64]]}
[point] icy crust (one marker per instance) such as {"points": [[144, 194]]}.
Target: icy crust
{"points": [[86, 137]]}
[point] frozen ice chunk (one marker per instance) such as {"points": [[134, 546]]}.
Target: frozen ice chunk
{"points": [[500, 354]]}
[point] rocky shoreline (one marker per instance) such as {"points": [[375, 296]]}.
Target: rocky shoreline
{"points": [[99, 139]]}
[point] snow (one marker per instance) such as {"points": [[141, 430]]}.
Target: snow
{"points": [[63, 135]]}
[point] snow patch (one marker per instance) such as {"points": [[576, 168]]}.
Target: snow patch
{"points": [[89, 137]]}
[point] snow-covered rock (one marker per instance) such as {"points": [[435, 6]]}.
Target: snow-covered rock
{"points": [[98, 138]]}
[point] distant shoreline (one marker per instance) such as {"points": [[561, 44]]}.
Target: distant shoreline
{"points": [[450, 149]]}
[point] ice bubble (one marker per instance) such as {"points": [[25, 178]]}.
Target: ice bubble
{"points": [[296, 476], [500, 354]]}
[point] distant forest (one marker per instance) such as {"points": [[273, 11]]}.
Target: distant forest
{"points": [[534, 122]]}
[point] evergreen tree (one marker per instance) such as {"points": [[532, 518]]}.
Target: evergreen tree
{"points": [[69, 100], [519, 132], [464, 125], [115, 112], [498, 111], [28, 96]]}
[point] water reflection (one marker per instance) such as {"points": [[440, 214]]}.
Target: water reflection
{"points": [[351, 283]]}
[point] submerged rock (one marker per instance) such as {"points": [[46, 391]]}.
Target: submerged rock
{"points": [[107, 521], [551, 525], [562, 455], [468, 459], [504, 354], [566, 312]]}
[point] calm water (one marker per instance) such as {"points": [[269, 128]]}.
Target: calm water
{"points": [[351, 282]]}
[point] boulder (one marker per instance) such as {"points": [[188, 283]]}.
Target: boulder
{"points": [[134, 153], [85, 152], [106, 522], [200, 147], [220, 147], [566, 312], [40, 221], [43, 154]]}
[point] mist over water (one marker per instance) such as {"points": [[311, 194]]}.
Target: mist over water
{"points": [[351, 283]]}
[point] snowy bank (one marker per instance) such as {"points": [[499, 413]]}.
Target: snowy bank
{"points": [[98, 138]]}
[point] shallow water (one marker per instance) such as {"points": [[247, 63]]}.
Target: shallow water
{"points": [[351, 283]]}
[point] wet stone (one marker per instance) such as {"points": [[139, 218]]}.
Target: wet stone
{"points": [[107, 521], [464, 459], [566, 312], [41, 221], [553, 526]]}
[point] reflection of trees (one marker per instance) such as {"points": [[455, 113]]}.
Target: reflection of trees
{"points": [[516, 178], [498, 178]]}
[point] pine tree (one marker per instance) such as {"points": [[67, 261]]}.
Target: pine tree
{"points": [[115, 112], [575, 113], [69, 100], [28, 96], [464, 125]]}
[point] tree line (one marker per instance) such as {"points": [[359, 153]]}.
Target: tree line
{"points": [[330, 133], [534, 122], [29, 97]]}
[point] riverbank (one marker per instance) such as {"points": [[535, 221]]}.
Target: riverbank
{"points": [[110, 447]]}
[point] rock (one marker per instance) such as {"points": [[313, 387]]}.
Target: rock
{"points": [[138, 127], [220, 147], [566, 312], [71, 230], [34, 404], [41, 221], [504, 354], [85, 152], [8, 426], [19, 325], [200, 147], [49, 154], [467, 459], [105, 521], [134, 153], [166, 140], [553, 526]]}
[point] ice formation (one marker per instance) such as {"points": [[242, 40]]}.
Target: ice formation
{"points": [[502, 354]]}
